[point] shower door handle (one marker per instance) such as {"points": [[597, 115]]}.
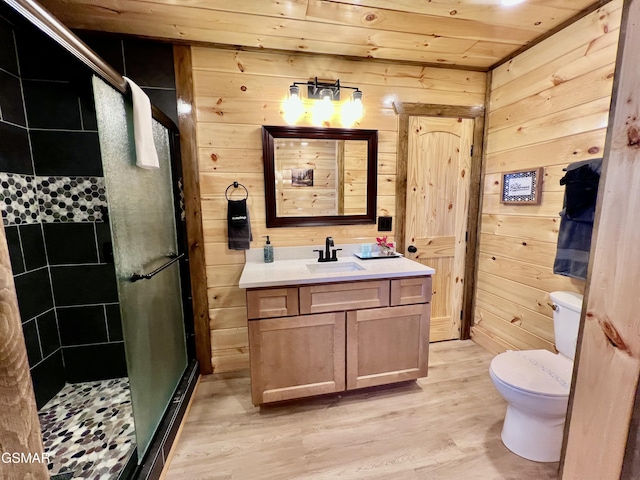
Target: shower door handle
{"points": [[146, 276]]}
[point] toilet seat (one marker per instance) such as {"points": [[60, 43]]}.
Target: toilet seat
{"points": [[537, 372]]}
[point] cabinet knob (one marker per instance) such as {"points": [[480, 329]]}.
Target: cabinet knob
{"points": [[412, 249]]}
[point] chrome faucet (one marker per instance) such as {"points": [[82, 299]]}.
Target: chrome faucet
{"points": [[328, 255]]}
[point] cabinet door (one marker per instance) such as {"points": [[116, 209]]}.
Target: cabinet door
{"points": [[386, 345], [297, 357]]}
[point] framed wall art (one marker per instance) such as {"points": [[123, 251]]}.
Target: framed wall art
{"points": [[523, 187], [302, 177]]}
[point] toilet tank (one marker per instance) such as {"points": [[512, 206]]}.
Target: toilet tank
{"points": [[566, 321]]}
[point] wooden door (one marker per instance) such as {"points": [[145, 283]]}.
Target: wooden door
{"points": [[438, 181], [296, 357], [386, 345]]}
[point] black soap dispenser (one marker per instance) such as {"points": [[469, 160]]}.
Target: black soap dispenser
{"points": [[268, 251]]}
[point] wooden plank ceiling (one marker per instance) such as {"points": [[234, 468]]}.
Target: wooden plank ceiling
{"points": [[469, 33]]}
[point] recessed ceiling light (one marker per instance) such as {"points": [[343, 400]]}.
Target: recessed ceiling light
{"points": [[508, 3]]}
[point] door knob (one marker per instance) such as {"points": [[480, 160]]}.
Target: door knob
{"points": [[412, 249]]}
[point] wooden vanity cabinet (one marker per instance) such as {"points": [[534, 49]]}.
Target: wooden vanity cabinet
{"points": [[337, 336]]}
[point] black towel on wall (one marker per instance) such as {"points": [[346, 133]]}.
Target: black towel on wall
{"points": [[577, 216], [581, 187], [238, 225]]}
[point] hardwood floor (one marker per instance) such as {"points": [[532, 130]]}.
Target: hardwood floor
{"points": [[446, 426]]}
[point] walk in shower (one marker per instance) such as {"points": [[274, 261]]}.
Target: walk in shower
{"points": [[106, 354]]}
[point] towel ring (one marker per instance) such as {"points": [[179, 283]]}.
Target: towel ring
{"points": [[236, 185]]}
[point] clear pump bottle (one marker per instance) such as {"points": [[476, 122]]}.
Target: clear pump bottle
{"points": [[268, 251]]}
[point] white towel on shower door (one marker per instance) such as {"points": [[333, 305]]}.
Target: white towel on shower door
{"points": [[146, 155]]}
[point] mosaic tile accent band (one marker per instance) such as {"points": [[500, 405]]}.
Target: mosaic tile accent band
{"points": [[18, 197], [88, 429], [28, 199], [71, 199]]}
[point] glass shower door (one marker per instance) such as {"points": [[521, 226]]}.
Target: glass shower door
{"points": [[143, 231]]}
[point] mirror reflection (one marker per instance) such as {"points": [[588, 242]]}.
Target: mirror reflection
{"points": [[320, 177]]}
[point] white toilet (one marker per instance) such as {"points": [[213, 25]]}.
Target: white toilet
{"points": [[536, 384]]}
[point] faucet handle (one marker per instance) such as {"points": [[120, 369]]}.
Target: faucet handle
{"points": [[320, 255], [334, 256]]}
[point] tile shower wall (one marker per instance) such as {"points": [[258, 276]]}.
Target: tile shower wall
{"points": [[148, 63], [53, 206], [24, 233]]}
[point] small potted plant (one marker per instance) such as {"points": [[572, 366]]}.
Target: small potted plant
{"points": [[386, 248]]}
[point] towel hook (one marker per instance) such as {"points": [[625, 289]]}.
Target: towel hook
{"points": [[236, 185]]}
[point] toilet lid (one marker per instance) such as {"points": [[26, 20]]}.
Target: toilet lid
{"points": [[534, 371]]}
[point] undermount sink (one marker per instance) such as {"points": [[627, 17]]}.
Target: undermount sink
{"points": [[334, 267]]}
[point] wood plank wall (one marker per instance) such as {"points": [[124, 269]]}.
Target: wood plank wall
{"points": [[238, 92], [548, 107]]}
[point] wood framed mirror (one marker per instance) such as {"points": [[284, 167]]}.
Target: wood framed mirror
{"points": [[319, 176]]}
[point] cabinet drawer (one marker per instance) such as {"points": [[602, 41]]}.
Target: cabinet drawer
{"points": [[272, 302], [407, 291], [344, 296]]}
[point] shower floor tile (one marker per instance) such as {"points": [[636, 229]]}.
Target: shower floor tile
{"points": [[88, 429]]}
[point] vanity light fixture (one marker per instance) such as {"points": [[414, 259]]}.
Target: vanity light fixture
{"points": [[326, 93]]}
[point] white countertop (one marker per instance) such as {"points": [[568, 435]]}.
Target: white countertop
{"points": [[292, 266]]}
